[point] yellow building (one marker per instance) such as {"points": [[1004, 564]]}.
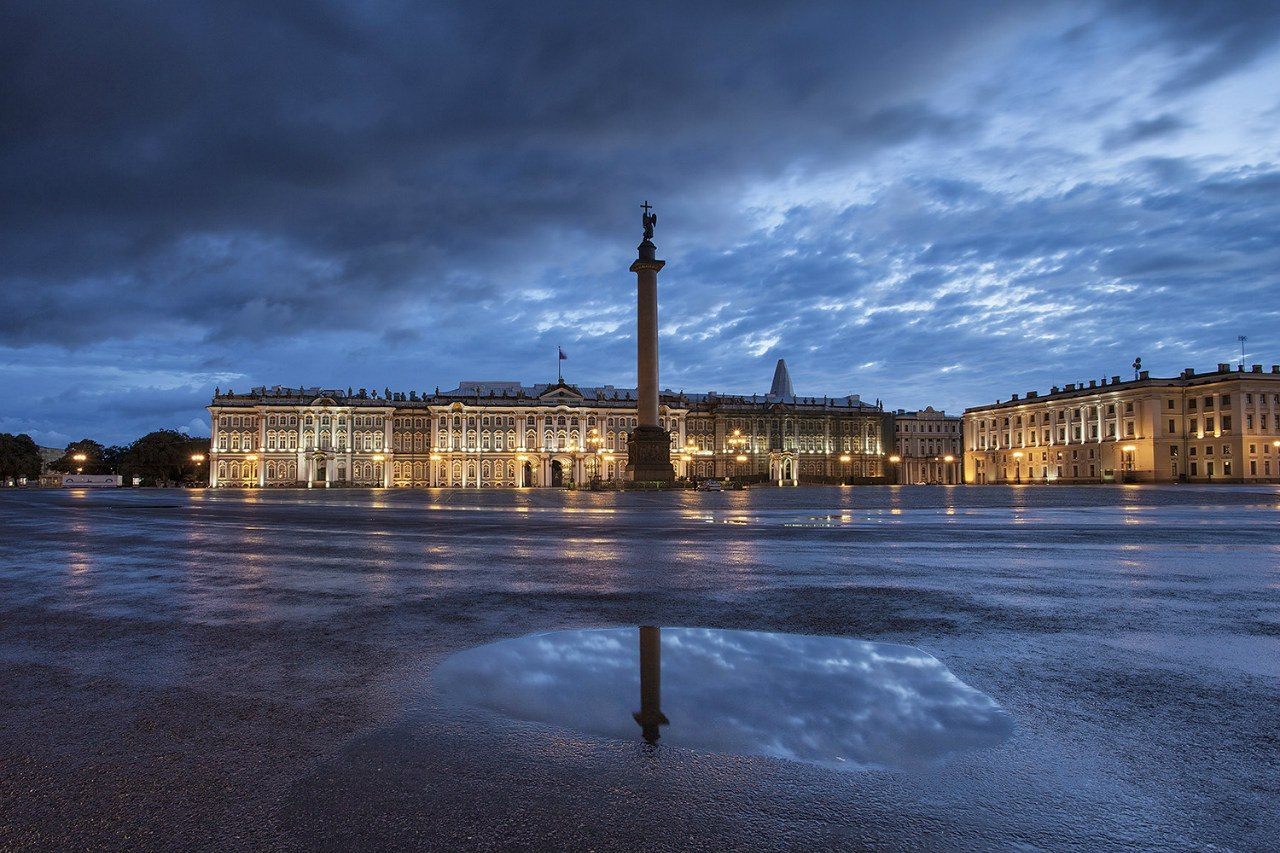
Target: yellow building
{"points": [[1217, 427], [928, 448], [505, 434]]}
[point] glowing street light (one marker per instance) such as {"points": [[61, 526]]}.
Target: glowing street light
{"points": [[80, 458], [893, 460], [1017, 464], [197, 458]]}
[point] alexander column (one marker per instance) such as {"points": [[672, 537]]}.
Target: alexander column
{"points": [[649, 448]]}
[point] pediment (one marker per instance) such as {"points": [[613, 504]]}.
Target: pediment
{"points": [[561, 391]]}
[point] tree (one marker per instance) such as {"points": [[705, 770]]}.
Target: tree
{"points": [[19, 457], [95, 461], [164, 458]]}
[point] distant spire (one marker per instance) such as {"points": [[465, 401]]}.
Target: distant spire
{"points": [[781, 382]]}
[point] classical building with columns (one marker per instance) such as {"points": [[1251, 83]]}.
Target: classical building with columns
{"points": [[928, 448], [505, 434], [1219, 426]]}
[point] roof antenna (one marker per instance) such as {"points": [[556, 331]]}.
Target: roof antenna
{"points": [[1242, 339]]}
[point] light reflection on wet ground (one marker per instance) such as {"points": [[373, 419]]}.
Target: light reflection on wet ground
{"points": [[244, 670], [833, 701]]}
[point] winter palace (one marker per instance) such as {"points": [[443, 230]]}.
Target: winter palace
{"points": [[506, 434]]}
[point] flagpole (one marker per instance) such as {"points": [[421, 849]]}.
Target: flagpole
{"points": [[559, 367]]}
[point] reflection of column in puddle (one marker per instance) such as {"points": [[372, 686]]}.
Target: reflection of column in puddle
{"points": [[650, 715]]}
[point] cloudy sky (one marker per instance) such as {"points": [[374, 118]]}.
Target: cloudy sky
{"points": [[926, 203]]}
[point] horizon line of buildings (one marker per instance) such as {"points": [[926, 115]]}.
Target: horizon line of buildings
{"points": [[1220, 426]]}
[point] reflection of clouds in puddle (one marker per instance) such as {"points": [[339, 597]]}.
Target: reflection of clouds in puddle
{"points": [[824, 700]]}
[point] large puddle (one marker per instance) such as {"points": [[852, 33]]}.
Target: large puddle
{"points": [[832, 701]]}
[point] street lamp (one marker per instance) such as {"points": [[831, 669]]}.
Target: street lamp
{"points": [[1126, 460], [197, 458], [80, 458], [738, 443], [1017, 465], [894, 459]]}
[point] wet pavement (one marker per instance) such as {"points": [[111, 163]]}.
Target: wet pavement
{"points": [[840, 703], [254, 670]]}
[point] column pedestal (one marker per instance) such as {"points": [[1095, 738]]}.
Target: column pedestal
{"points": [[649, 455]]}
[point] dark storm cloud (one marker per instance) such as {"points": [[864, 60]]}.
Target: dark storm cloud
{"points": [[374, 194], [1143, 130], [334, 150], [1217, 38]]}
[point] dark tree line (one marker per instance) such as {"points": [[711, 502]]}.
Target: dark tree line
{"points": [[19, 457], [161, 458]]}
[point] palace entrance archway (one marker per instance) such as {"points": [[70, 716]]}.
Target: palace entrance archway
{"points": [[557, 473]]}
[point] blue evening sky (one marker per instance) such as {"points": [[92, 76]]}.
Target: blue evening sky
{"points": [[926, 203]]}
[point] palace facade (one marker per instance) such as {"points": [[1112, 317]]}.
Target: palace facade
{"points": [[1220, 426], [928, 447], [505, 434]]}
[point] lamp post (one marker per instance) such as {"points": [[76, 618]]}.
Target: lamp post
{"points": [[946, 472], [1017, 466], [80, 458], [737, 443], [845, 460], [1127, 461], [894, 460]]}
